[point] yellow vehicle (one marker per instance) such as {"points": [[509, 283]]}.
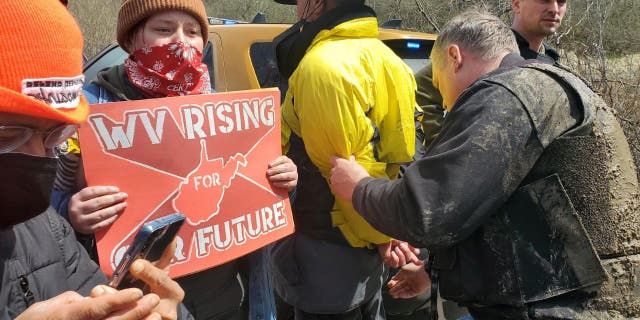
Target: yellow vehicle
{"points": [[240, 56]]}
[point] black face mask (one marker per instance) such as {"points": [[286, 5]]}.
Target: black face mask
{"points": [[292, 44], [25, 186]]}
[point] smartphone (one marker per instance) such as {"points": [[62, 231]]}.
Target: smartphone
{"points": [[150, 242]]}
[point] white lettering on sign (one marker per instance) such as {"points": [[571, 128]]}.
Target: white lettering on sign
{"points": [[207, 181], [197, 121], [122, 136], [226, 117], [222, 236]]}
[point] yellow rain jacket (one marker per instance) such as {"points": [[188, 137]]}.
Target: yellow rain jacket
{"points": [[348, 86]]}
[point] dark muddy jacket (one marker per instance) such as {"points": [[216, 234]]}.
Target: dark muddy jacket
{"points": [[501, 229]]}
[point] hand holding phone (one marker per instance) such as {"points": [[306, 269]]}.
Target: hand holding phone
{"points": [[149, 244]]}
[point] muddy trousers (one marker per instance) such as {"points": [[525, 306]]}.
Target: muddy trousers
{"points": [[370, 310]]}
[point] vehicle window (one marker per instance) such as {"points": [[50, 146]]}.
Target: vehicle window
{"points": [[109, 57], [415, 53], [207, 58], [264, 64]]}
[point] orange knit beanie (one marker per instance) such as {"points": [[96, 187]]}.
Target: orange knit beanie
{"points": [[133, 12], [41, 61]]}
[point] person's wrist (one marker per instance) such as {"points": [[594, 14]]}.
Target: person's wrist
{"points": [[358, 190]]}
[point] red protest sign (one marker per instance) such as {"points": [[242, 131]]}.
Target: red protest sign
{"points": [[203, 155]]}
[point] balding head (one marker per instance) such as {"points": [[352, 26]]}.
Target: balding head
{"points": [[477, 32], [468, 46]]}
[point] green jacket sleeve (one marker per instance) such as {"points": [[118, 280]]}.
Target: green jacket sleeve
{"points": [[430, 101]]}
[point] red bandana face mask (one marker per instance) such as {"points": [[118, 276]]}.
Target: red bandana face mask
{"points": [[173, 69]]}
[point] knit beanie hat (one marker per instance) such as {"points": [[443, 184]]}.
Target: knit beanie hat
{"points": [[41, 61], [133, 12]]}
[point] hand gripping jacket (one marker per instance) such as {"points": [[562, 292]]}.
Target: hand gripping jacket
{"points": [[577, 205]]}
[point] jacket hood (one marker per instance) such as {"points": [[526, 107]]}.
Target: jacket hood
{"points": [[357, 28], [116, 82]]}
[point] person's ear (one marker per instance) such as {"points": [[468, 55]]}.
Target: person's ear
{"points": [[454, 55], [515, 6]]}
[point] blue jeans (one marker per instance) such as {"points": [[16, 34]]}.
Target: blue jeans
{"points": [[262, 304]]}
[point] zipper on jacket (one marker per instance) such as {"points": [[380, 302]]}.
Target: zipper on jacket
{"points": [[27, 295]]}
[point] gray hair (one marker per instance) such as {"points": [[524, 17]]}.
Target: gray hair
{"points": [[478, 32]]}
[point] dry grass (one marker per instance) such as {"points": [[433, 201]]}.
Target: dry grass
{"points": [[97, 19]]}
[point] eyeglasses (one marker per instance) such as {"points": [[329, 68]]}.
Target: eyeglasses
{"points": [[13, 137]]}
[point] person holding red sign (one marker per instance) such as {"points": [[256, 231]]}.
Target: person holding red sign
{"points": [[44, 272], [165, 40]]}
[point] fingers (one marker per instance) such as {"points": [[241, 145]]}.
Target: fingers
{"points": [[401, 286], [167, 255], [409, 253], [141, 309], [58, 307], [88, 222], [153, 316], [102, 202], [101, 290], [279, 167], [108, 221], [96, 207], [157, 279], [89, 193], [389, 255], [125, 304], [400, 256], [279, 161], [396, 254], [393, 282], [284, 180], [67, 298], [403, 292], [345, 175], [396, 284], [283, 174], [336, 160], [406, 253]]}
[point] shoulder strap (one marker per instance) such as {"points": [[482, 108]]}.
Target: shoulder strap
{"points": [[589, 100]]}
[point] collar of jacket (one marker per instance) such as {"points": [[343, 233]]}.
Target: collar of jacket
{"points": [[550, 55], [292, 44], [510, 61], [116, 82]]}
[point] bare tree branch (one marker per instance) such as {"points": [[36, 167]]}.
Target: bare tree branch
{"points": [[427, 16], [585, 14]]}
